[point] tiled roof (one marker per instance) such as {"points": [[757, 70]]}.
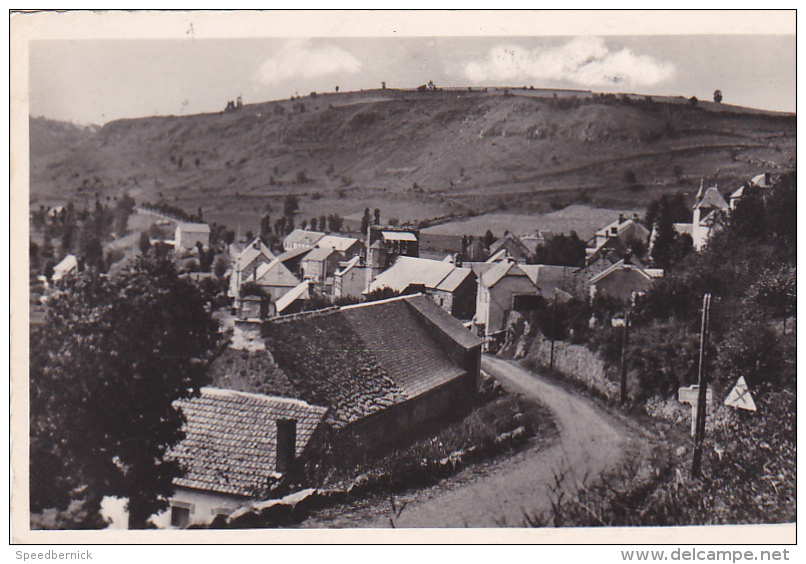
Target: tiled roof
{"points": [[300, 237], [620, 265], [398, 236], [361, 359], [230, 443], [256, 249], [345, 267], [501, 269], [391, 333], [511, 243], [444, 321]]}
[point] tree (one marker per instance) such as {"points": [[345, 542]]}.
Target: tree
{"points": [[105, 371], [718, 96], [220, 267], [561, 250], [377, 216], [314, 224], [265, 226], [365, 219], [145, 242], [290, 205], [489, 239], [334, 223], [322, 222], [693, 101]]}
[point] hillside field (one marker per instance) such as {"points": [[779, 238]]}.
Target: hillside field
{"points": [[415, 155]]}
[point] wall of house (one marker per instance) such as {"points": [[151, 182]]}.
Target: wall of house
{"points": [[399, 421], [351, 284], [205, 506], [500, 300], [464, 299], [188, 239]]}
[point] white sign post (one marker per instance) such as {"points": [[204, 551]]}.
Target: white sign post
{"points": [[690, 395]]}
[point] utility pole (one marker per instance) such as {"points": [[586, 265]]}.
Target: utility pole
{"points": [[625, 337], [702, 382], [553, 328]]}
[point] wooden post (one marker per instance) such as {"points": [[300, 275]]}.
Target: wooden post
{"points": [[625, 336], [702, 382], [553, 327]]}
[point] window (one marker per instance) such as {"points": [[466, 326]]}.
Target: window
{"points": [[180, 516]]}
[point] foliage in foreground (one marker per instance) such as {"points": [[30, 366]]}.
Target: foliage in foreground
{"points": [[105, 368], [749, 476]]}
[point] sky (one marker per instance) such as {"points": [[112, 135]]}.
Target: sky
{"points": [[101, 80]]}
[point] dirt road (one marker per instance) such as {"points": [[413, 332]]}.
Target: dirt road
{"points": [[591, 442]]}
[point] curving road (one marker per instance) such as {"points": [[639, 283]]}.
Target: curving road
{"points": [[591, 442]]}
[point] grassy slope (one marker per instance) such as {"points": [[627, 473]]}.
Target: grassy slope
{"points": [[466, 151]]}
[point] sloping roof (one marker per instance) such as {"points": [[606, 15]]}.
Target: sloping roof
{"points": [[292, 254], [296, 293], [499, 270], [194, 227], [478, 268], [335, 242], [712, 199], [510, 242], [66, 265], [411, 270], [398, 236], [348, 265], [621, 265], [319, 254], [361, 359], [760, 180], [230, 443], [454, 278], [300, 237], [444, 321], [253, 251], [391, 332], [275, 273]]}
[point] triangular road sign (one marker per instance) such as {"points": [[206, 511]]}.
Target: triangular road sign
{"points": [[740, 396]]}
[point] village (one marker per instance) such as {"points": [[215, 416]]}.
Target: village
{"points": [[366, 335]]}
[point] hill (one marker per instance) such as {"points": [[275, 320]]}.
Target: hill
{"points": [[414, 154]]}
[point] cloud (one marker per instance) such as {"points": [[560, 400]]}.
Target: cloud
{"points": [[583, 61], [298, 59]]}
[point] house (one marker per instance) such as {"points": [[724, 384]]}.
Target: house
{"points": [[508, 247], [236, 445], [320, 264], [293, 300], [66, 267], [617, 235], [300, 238], [293, 259], [388, 243], [508, 286], [275, 279], [710, 211], [246, 263], [452, 288], [382, 368], [187, 235], [350, 280], [761, 182], [255, 307], [624, 280], [347, 246]]}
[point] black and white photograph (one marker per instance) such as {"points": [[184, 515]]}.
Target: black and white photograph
{"points": [[519, 273]]}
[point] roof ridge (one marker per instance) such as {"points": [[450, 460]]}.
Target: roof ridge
{"points": [[225, 392], [376, 302]]}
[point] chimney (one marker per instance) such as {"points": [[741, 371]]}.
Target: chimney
{"points": [[621, 218], [767, 179], [635, 216], [286, 445]]}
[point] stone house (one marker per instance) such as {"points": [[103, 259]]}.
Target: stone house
{"points": [[301, 239], [187, 235], [245, 265], [236, 445], [451, 287], [347, 246], [350, 280], [320, 264], [624, 280], [275, 279], [382, 368]]}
